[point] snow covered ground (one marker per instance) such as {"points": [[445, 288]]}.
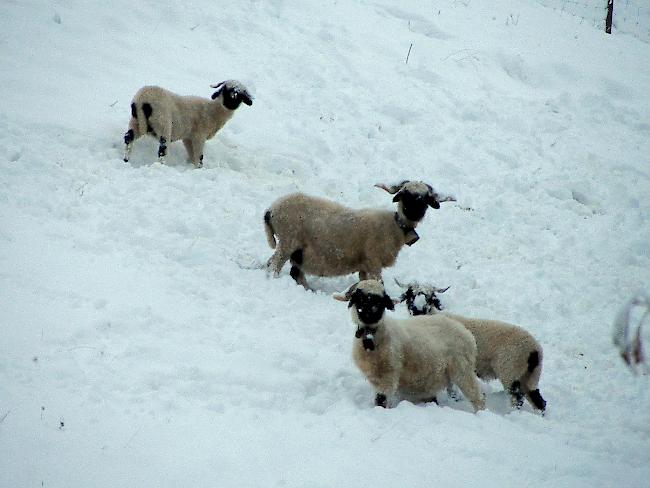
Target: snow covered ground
{"points": [[139, 348]]}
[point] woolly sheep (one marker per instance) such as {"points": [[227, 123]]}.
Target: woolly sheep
{"points": [[324, 238], [413, 358], [504, 351], [171, 117]]}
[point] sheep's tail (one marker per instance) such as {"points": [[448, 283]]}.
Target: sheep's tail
{"points": [[531, 380], [268, 228], [141, 114]]}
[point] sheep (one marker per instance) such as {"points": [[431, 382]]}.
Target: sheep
{"points": [[324, 238], [628, 332], [506, 352], [413, 358], [170, 117]]}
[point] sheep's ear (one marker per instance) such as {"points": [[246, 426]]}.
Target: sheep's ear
{"points": [[246, 98], [433, 201], [388, 302], [219, 87], [354, 298]]}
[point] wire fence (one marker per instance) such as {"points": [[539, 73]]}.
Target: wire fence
{"points": [[631, 17]]}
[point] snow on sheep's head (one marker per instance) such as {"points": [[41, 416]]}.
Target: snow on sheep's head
{"points": [[414, 197], [421, 299], [233, 94]]}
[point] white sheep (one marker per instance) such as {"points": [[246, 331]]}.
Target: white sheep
{"points": [[171, 117], [505, 352], [323, 238], [413, 358]]}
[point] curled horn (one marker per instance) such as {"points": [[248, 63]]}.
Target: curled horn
{"points": [[435, 199], [401, 285], [393, 188], [346, 295]]}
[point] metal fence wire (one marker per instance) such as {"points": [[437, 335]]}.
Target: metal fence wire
{"points": [[631, 17]]}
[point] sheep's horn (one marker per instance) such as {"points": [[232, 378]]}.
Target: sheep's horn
{"points": [[441, 290], [346, 295], [401, 285], [439, 198], [217, 85], [393, 188], [448, 198]]}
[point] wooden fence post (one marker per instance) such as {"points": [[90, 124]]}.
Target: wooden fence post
{"points": [[610, 15]]}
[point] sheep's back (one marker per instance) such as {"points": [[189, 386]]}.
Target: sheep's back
{"points": [[499, 341], [430, 344]]}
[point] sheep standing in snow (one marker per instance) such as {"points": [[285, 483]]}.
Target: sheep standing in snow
{"points": [[324, 238], [628, 332], [413, 358], [504, 351], [171, 117]]}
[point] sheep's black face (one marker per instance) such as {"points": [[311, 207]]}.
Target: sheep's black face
{"points": [[421, 302], [370, 307], [234, 96], [414, 205]]}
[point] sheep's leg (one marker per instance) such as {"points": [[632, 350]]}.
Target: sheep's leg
{"points": [[516, 394], [386, 387], [188, 147], [381, 400], [374, 274], [470, 388], [130, 135], [536, 399], [280, 256], [162, 149], [296, 272], [197, 159]]}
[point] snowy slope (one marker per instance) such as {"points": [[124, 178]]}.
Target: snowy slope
{"points": [[139, 348]]}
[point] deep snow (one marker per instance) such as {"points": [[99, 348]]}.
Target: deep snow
{"points": [[140, 347]]}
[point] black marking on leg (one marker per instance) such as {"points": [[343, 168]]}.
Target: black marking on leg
{"points": [[296, 257], [134, 112], [380, 400], [147, 110], [517, 393], [537, 400], [162, 149], [201, 159], [128, 137], [295, 272], [533, 361], [432, 399]]}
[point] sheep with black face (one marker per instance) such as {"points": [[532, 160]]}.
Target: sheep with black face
{"points": [[324, 238], [170, 117], [505, 352], [414, 358], [421, 299]]}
